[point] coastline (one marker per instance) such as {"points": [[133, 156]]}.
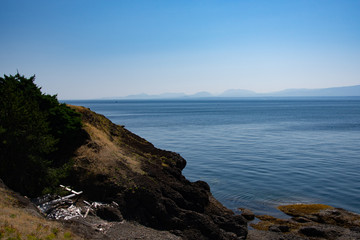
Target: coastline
{"points": [[225, 146], [157, 201], [325, 228]]}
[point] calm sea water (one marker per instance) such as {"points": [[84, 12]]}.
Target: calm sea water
{"points": [[256, 153]]}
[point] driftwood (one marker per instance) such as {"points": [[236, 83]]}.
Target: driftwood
{"points": [[65, 208], [59, 207], [70, 190]]}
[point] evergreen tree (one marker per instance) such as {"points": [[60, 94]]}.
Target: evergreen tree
{"points": [[37, 135]]}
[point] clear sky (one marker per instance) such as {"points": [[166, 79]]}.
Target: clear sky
{"points": [[82, 49]]}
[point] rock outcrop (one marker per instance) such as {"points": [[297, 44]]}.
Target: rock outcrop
{"points": [[147, 184], [309, 221]]}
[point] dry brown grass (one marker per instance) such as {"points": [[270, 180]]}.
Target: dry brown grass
{"points": [[16, 223], [107, 151]]}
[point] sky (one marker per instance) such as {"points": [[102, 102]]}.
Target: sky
{"points": [[86, 49]]}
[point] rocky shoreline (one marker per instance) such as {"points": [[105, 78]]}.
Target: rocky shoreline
{"points": [[153, 200], [308, 221], [312, 221], [115, 165]]}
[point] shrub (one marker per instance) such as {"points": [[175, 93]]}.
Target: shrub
{"points": [[37, 136]]}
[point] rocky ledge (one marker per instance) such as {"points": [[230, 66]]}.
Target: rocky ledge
{"points": [[115, 165], [308, 221]]}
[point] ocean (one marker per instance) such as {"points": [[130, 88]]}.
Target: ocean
{"points": [[255, 153]]}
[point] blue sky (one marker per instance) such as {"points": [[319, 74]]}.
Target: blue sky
{"points": [[83, 49]]}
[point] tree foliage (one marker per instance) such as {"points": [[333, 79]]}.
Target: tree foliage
{"points": [[37, 136]]}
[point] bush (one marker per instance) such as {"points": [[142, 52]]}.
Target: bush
{"points": [[37, 136]]}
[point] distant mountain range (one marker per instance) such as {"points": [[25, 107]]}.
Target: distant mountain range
{"points": [[349, 91]]}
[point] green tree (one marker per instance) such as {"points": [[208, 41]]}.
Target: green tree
{"points": [[37, 134]]}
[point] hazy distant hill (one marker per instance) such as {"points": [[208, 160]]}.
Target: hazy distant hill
{"points": [[238, 93], [349, 91], [201, 95], [322, 92], [159, 96]]}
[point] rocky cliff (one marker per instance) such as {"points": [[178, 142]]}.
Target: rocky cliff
{"points": [[147, 184]]}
